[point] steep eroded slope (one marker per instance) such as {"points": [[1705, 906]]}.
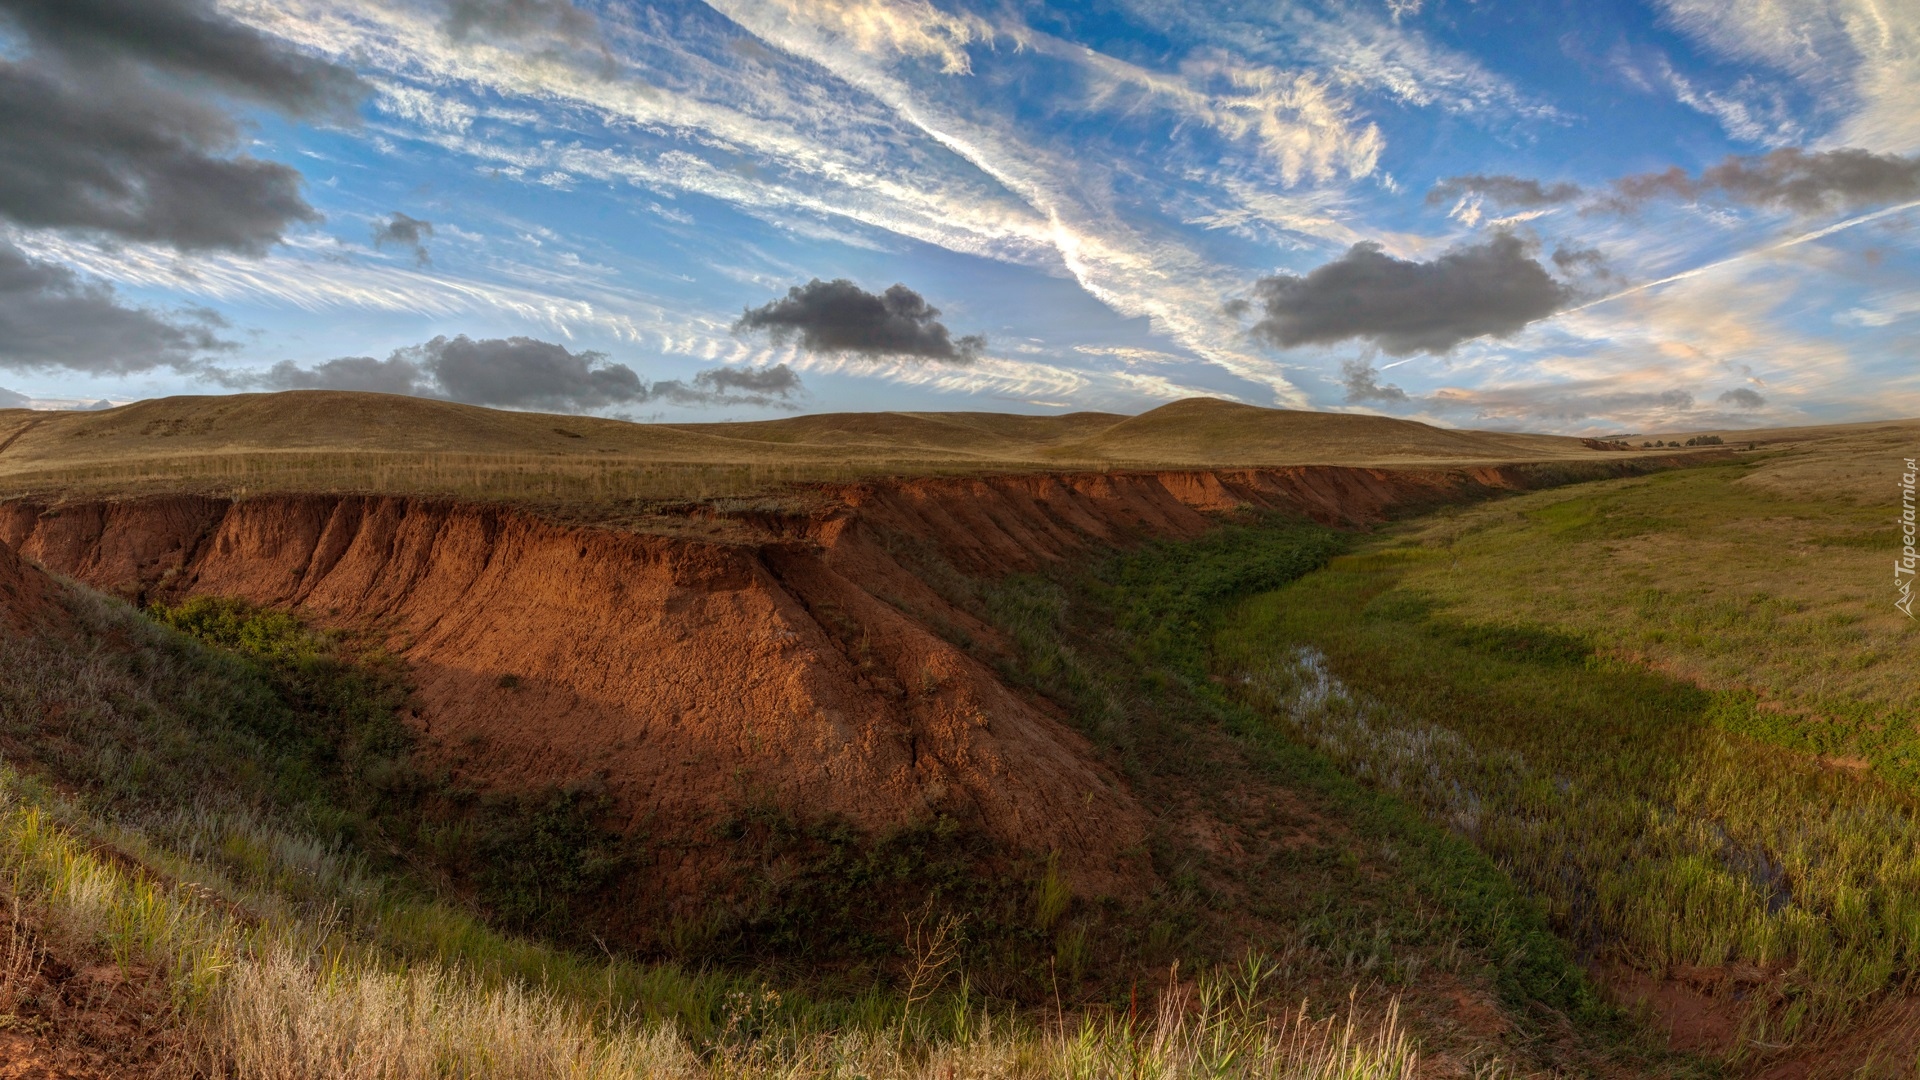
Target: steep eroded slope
{"points": [[797, 669]]}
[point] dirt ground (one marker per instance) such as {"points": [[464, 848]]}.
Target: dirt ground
{"points": [[65, 1016]]}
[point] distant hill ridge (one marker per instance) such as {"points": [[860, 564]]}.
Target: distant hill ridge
{"points": [[1193, 432]]}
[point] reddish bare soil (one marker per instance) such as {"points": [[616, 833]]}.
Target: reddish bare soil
{"points": [[1698, 1009], [64, 1016], [26, 593], [791, 665], [1885, 1045]]}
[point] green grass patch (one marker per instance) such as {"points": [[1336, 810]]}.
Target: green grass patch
{"points": [[1642, 810], [1127, 647], [1715, 574], [1172, 597]]}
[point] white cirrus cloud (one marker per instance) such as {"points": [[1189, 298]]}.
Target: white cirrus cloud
{"points": [[423, 106], [1294, 119], [1355, 48], [1860, 57], [1125, 265], [909, 28], [307, 275], [838, 154]]}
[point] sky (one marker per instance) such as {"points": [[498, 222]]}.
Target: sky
{"points": [[1581, 217]]}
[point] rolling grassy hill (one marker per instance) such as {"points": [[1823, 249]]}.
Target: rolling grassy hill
{"points": [[321, 440]]}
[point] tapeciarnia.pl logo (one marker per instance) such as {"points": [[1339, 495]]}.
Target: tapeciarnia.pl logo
{"points": [[1903, 567]]}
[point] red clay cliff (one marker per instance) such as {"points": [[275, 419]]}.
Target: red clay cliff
{"points": [[797, 668]]}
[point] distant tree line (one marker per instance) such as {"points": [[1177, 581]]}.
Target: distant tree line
{"points": [[1697, 440]]}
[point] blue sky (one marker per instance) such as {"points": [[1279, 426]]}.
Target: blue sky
{"points": [[1129, 200]]}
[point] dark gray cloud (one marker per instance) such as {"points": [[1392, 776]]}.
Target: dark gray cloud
{"points": [[841, 317], [1582, 260], [402, 231], [521, 373], [394, 375], [525, 373], [775, 384], [1743, 398], [520, 19], [1527, 407], [135, 162], [1792, 179], [1403, 307], [1362, 382], [189, 38], [107, 125], [10, 399], [1593, 399], [1515, 192], [50, 317]]}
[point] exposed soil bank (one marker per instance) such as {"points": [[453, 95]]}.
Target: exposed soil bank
{"points": [[26, 593], [797, 668]]}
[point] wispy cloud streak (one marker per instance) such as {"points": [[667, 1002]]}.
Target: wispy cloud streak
{"points": [[1791, 242]]}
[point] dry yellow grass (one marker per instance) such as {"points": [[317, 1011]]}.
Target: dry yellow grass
{"points": [[326, 441], [262, 995], [1206, 432]]}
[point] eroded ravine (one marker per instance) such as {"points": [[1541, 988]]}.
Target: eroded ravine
{"points": [[800, 667]]}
